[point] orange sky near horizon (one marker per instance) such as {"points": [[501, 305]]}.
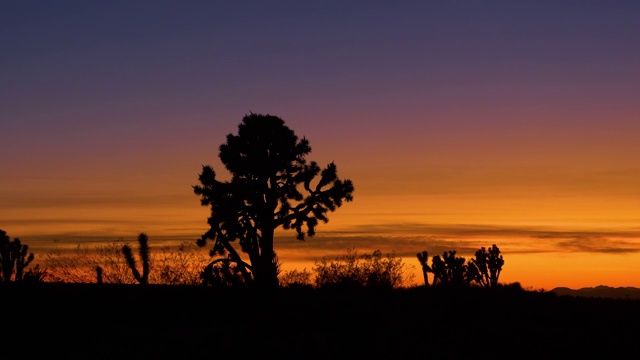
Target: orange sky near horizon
{"points": [[544, 247], [460, 124]]}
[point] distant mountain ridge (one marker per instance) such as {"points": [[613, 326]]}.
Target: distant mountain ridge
{"points": [[601, 291]]}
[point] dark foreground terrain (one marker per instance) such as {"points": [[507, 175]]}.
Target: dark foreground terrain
{"points": [[63, 321]]}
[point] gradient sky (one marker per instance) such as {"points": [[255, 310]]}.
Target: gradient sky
{"points": [[461, 123]]}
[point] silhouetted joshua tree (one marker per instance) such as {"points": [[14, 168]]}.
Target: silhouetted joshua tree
{"points": [[269, 175], [450, 270], [423, 258], [14, 258], [143, 241], [489, 265]]}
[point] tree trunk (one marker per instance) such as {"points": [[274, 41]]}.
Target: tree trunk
{"points": [[267, 274]]}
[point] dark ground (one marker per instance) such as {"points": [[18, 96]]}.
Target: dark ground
{"points": [[90, 321]]}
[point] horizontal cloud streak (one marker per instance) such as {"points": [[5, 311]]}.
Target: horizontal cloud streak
{"points": [[466, 239], [403, 239]]}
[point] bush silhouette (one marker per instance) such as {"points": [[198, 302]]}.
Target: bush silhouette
{"points": [[368, 270], [223, 273], [169, 264], [296, 278], [270, 173]]}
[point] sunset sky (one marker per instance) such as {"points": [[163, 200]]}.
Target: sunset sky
{"points": [[461, 123]]}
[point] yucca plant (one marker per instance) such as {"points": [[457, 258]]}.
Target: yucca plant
{"points": [[143, 241]]}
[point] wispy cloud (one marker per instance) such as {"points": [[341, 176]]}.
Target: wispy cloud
{"points": [[403, 239], [409, 238]]}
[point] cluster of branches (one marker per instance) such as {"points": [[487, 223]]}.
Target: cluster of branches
{"points": [[452, 270]]}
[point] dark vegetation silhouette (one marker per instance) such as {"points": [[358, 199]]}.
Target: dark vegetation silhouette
{"points": [[487, 265], [334, 311], [122, 321], [272, 186], [423, 258], [99, 272], [366, 270], [452, 270], [296, 278], [105, 263], [143, 243], [224, 273], [353, 306], [14, 260]]}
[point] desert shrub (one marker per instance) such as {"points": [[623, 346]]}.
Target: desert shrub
{"points": [[35, 274], [179, 266], [223, 273], [80, 264], [373, 270], [168, 265], [296, 278]]}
